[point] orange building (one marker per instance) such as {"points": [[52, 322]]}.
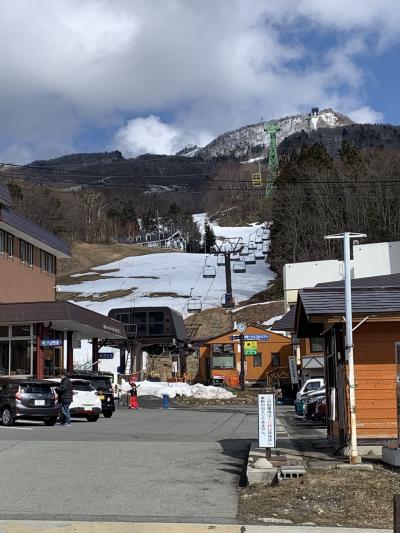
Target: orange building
{"points": [[219, 357], [376, 319]]}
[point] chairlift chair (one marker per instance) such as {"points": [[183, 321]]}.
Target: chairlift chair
{"points": [[259, 239], [209, 271], [259, 254], [235, 257], [256, 179], [221, 260], [239, 267], [194, 305], [265, 248], [265, 236], [250, 259], [244, 251], [252, 245]]}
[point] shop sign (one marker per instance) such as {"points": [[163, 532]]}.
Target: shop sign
{"points": [[174, 367], [250, 347], [106, 355], [266, 421], [255, 337], [293, 369], [46, 343]]}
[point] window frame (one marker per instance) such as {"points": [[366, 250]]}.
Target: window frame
{"points": [[275, 357], [320, 339], [259, 359]]}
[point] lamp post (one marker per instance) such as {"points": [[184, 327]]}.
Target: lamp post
{"points": [[349, 337]]}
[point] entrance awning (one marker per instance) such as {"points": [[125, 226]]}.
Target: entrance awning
{"points": [[63, 316]]}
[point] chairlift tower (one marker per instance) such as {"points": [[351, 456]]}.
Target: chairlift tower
{"points": [[273, 160], [231, 247]]}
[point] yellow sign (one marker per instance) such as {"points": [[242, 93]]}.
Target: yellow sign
{"points": [[250, 347]]}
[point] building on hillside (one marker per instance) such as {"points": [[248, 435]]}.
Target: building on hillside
{"points": [[376, 314], [375, 259], [161, 239], [219, 358], [33, 326]]}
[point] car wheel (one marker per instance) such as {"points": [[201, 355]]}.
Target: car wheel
{"points": [[92, 418], [50, 421], [7, 417], [107, 415]]}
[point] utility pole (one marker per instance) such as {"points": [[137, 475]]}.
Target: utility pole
{"points": [[242, 376], [354, 458]]}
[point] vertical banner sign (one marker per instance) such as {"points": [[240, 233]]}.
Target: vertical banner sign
{"points": [[293, 369], [266, 421]]}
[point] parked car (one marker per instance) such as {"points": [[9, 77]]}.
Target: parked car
{"points": [[310, 385], [28, 399], [102, 382], [86, 403], [311, 403]]}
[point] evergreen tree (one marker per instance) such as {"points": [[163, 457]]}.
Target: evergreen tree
{"points": [[209, 236]]}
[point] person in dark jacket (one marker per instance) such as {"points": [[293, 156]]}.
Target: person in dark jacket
{"points": [[65, 396]]}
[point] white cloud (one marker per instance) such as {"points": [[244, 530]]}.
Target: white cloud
{"points": [[151, 135], [72, 65], [366, 115]]}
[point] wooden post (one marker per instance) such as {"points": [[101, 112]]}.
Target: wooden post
{"points": [[70, 352], [396, 513]]}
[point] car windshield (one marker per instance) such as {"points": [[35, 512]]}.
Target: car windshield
{"points": [[101, 383], [82, 386], [35, 388]]}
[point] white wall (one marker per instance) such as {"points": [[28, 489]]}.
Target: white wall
{"points": [[376, 259], [300, 275], [368, 260]]}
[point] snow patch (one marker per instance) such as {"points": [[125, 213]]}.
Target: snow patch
{"points": [[159, 389]]}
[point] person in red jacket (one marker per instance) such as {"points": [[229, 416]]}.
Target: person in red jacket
{"points": [[133, 392]]}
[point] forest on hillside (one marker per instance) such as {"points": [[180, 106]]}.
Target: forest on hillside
{"points": [[317, 195]]}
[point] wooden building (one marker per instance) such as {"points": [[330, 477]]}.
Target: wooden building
{"points": [[376, 322], [220, 357]]}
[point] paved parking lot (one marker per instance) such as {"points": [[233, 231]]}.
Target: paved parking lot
{"points": [[175, 465]]}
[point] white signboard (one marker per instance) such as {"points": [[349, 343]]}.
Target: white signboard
{"points": [[294, 378], [266, 421], [175, 366]]}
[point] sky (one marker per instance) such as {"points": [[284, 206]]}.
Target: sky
{"points": [[155, 75]]}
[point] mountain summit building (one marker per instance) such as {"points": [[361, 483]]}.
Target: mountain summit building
{"points": [[37, 333]]}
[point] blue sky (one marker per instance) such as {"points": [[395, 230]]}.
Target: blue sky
{"points": [[153, 76]]}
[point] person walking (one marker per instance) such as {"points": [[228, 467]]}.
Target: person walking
{"points": [[133, 392], [65, 396]]}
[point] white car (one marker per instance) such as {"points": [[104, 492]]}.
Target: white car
{"points": [[86, 402]]}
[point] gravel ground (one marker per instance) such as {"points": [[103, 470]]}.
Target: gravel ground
{"points": [[328, 498]]}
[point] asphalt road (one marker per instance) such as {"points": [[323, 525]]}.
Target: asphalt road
{"points": [[151, 464]]}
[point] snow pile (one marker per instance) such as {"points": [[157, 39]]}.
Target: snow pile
{"points": [[161, 388]]}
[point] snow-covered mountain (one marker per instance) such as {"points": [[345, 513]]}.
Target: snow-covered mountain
{"points": [[248, 141]]}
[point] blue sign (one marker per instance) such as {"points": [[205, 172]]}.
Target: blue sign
{"points": [[52, 342], [254, 337], [106, 355]]}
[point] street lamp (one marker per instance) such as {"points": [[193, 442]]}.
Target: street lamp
{"points": [[349, 337]]}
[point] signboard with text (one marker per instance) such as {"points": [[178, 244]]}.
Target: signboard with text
{"points": [[250, 347], [106, 355], [51, 342], [266, 421], [252, 337], [294, 378]]}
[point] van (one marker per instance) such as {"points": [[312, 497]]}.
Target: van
{"points": [[309, 386]]}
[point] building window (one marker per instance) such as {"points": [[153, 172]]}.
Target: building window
{"points": [[22, 251], [257, 360], [16, 350], [275, 360], [156, 323], [30, 255], [10, 244], [316, 344], [47, 262], [223, 356]]}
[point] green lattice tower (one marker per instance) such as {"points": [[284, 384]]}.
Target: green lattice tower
{"points": [[273, 161]]}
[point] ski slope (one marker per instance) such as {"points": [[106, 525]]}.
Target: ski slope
{"points": [[170, 279]]}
